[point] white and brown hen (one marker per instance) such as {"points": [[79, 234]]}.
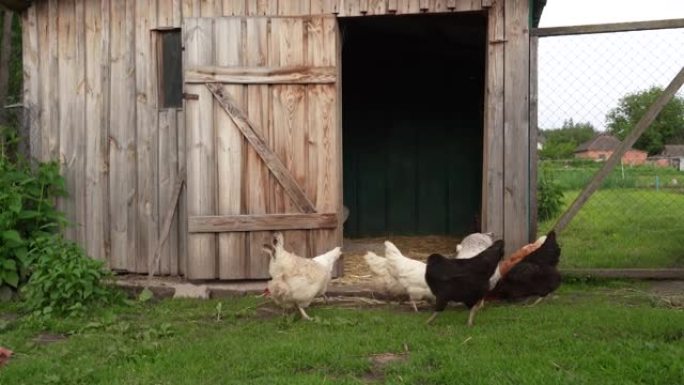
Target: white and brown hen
{"points": [[296, 281]]}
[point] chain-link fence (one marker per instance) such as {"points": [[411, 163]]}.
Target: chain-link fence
{"points": [[592, 90]]}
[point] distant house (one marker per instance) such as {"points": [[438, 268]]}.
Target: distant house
{"points": [[671, 156], [601, 148]]}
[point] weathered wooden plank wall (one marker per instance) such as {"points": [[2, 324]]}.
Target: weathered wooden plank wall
{"points": [[493, 159], [296, 121], [516, 125], [92, 95], [200, 149], [204, 8], [92, 92]]}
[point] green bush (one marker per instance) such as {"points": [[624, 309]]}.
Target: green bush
{"points": [[549, 196], [26, 213], [64, 280]]}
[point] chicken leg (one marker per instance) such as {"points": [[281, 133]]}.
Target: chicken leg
{"points": [[414, 306], [474, 310], [535, 303], [432, 317], [306, 316]]}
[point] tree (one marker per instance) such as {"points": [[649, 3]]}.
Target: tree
{"points": [[561, 143], [668, 128]]}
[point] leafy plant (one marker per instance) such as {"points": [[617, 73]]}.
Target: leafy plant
{"points": [[64, 280], [549, 196], [26, 213]]}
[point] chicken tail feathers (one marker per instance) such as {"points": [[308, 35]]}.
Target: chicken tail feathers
{"points": [[329, 258], [392, 252], [549, 252], [376, 263]]}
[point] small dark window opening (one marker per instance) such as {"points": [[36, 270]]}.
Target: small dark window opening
{"points": [[170, 68]]}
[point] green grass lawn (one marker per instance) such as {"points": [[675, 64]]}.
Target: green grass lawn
{"points": [[627, 228], [574, 175], [586, 334]]}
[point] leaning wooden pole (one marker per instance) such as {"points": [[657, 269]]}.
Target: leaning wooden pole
{"points": [[626, 144]]}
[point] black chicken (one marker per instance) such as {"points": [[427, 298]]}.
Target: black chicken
{"points": [[462, 280], [536, 275]]}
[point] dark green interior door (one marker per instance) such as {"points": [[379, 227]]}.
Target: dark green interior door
{"points": [[412, 123]]}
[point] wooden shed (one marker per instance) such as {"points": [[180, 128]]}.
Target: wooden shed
{"points": [[197, 127]]}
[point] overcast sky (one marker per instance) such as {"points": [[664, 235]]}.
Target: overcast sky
{"points": [[582, 77]]}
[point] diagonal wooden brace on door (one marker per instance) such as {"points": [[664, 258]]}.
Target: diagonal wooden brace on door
{"points": [[246, 127]]}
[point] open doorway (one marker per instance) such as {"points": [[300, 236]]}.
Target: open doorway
{"points": [[412, 105]]}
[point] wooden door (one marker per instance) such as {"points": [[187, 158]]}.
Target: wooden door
{"points": [[263, 140]]}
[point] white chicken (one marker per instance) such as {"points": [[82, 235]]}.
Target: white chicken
{"points": [[474, 244], [296, 281], [327, 260], [383, 281], [410, 274]]}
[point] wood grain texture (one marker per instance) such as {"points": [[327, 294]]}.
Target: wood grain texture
{"points": [[261, 222], [438, 6], [261, 75], [42, 60], [516, 126], [321, 7], [338, 144], [262, 7], [288, 47], [177, 13], [68, 114], [147, 134], [377, 7], [122, 146], [493, 165], [293, 8], [234, 7], [229, 150], [78, 130], [323, 133], [155, 266], [470, 5], [201, 157], [353, 8], [97, 84], [190, 8], [31, 86], [259, 182], [246, 127], [168, 178], [168, 15], [211, 8], [52, 103], [164, 13], [534, 131], [183, 200]]}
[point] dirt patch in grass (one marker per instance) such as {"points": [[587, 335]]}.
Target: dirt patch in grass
{"points": [[267, 312], [379, 361], [669, 293], [48, 338]]}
